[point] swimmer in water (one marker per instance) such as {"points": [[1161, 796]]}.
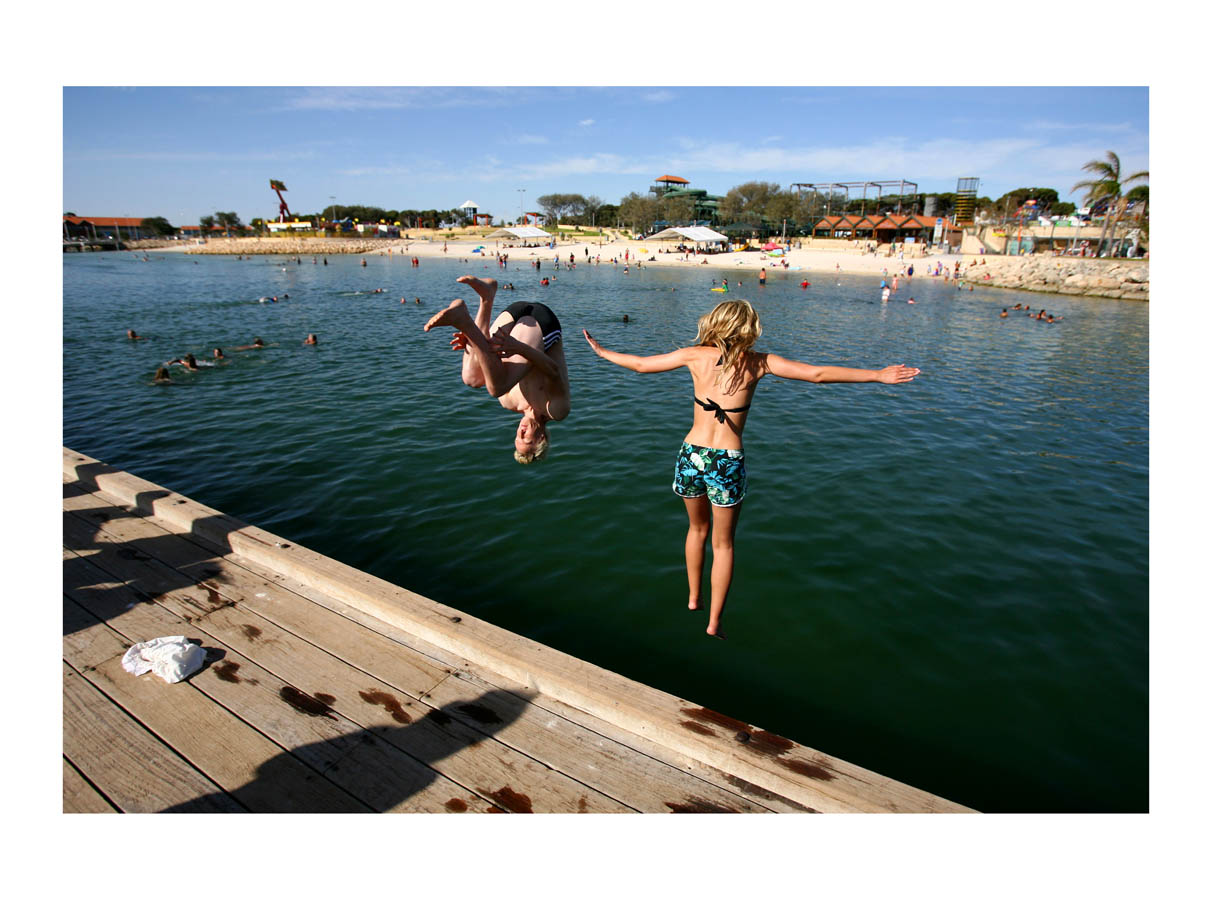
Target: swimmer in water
{"points": [[130, 334], [162, 377], [187, 361], [257, 344], [217, 353], [1004, 315], [709, 474], [310, 340], [418, 300], [886, 294]]}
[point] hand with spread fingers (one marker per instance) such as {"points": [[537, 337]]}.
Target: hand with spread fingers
{"points": [[898, 374]]}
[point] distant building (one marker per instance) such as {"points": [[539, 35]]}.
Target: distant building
{"points": [[105, 228]]}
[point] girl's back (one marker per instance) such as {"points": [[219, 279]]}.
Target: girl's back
{"points": [[721, 397]]}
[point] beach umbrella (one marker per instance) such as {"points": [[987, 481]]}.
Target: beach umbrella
{"points": [[771, 246]]}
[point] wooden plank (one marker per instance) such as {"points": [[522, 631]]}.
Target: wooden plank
{"points": [[646, 771], [356, 759], [489, 768], [137, 772], [756, 756], [586, 758], [79, 796]]}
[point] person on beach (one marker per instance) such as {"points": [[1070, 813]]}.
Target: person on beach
{"points": [[709, 472], [518, 357]]}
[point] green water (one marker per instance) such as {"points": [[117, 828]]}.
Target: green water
{"points": [[945, 581]]}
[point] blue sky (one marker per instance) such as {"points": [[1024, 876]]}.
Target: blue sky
{"points": [[184, 152]]}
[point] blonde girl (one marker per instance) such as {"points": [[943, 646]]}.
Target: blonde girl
{"points": [[709, 474]]}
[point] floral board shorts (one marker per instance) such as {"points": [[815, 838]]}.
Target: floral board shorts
{"points": [[720, 474]]}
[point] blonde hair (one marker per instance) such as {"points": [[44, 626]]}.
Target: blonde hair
{"points": [[732, 328], [538, 454]]}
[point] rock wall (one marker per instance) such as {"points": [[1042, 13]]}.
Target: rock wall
{"points": [[293, 246], [1126, 278]]}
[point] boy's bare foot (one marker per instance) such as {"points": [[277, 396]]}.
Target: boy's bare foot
{"points": [[455, 315], [485, 287]]}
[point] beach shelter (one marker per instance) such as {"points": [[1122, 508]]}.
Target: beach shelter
{"points": [[521, 232], [699, 234]]}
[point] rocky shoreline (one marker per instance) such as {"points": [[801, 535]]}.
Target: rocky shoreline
{"points": [[1117, 278]]}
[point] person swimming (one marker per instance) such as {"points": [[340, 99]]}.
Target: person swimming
{"points": [[162, 376], [130, 334], [310, 340], [187, 361], [217, 353], [257, 344]]}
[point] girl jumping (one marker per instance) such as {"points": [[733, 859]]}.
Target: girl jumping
{"points": [[709, 474]]}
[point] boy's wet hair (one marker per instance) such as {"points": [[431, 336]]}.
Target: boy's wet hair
{"points": [[537, 455]]}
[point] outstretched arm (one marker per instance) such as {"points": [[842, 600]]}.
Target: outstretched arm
{"points": [[663, 362], [802, 371]]}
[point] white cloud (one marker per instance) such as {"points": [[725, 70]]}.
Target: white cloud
{"points": [[584, 123], [661, 96]]}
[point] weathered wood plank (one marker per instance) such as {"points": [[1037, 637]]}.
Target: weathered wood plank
{"points": [[639, 783], [79, 796], [645, 771], [763, 759], [355, 758], [489, 768], [137, 772]]}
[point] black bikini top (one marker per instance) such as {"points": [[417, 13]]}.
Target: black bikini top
{"points": [[712, 407]]}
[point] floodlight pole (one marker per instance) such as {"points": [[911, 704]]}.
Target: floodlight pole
{"points": [[521, 204]]}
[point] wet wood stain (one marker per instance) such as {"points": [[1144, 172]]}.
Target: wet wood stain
{"points": [[803, 768], [252, 632], [389, 703], [305, 703], [698, 805], [714, 718], [696, 727], [761, 793], [226, 670], [512, 800], [454, 804], [768, 743]]}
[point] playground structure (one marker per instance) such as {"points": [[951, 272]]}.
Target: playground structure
{"points": [[965, 200], [278, 187], [829, 188]]}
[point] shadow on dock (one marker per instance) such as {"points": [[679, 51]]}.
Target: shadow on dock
{"points": [[361, 763]]}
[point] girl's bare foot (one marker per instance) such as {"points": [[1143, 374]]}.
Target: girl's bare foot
{"points": [[455, 315], [718, 633], [693, 604]]}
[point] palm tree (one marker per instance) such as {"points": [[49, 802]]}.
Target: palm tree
{"points": [[1108, 186]]}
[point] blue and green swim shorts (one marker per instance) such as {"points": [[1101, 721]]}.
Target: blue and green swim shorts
{"points": [[720, 474]]}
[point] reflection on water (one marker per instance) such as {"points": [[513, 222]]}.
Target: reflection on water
{"points": [[944, 581]]}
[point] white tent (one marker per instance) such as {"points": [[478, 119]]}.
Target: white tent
{"points": [[522, 232], [696, 233]]}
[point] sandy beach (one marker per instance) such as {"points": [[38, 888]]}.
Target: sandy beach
{"points": [[806, 258]]}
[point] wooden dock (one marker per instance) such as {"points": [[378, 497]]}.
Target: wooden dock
{"points": [[329, 690]]}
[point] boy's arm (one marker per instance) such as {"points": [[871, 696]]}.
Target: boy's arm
{"points": [[802, 371], [663, 362]]}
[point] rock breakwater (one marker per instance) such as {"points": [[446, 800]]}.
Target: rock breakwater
{"points": [[1126, 278]]}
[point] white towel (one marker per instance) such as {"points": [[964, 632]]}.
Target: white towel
{"points": [[172, 658]]}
